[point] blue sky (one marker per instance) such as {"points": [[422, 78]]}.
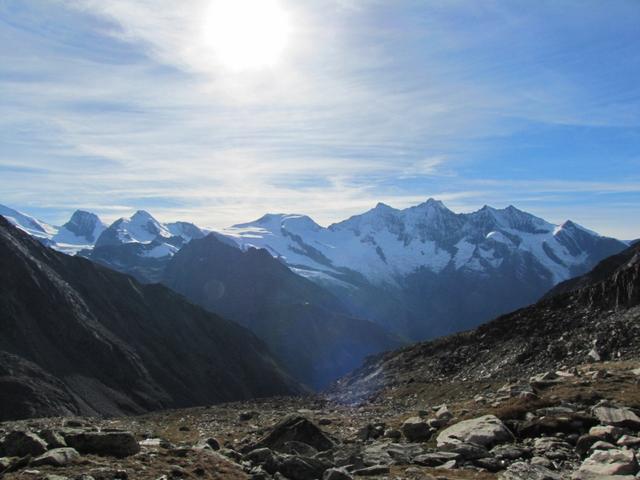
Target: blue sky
{"points": [[120, 105]]}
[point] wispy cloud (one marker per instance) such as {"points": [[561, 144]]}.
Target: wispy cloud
{"points": [[121, 104]]}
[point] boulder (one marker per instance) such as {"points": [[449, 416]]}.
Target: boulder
{"points": [[57, 457], [295, 428], [527, 471], [54, 439], [619, 417], [628, 441], [508, 452], [443, 413], [583, 445], [20, 444], [302, 468], [468, 451], [602, 445], [609, 462], [486, 431], [336, 474], [435, 459], [372, 471], [263, 457], [606, 432], [109, 444], [415, 429]]}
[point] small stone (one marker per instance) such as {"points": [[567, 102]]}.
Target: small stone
{"points": [[213, 443], [443, 413], [249, 415], [393, 433]]}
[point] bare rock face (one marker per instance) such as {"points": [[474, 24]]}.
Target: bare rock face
{"points": [[486, 431]]}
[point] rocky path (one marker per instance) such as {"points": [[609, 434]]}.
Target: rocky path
{"points": [[581, 423]]}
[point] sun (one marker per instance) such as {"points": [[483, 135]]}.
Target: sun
{"points": [[247, 34]]}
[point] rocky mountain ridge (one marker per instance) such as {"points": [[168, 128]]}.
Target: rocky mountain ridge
{"points": [[598, 320], [78, 338]]}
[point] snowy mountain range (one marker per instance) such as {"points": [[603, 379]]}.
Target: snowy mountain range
{"points": [[79, 233], [420, 272], [385, 244], [425, 270]]}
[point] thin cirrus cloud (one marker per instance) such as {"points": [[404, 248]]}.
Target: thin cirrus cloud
{"points": [[123, 105]]}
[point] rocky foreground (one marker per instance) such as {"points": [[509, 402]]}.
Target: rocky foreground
{"points": [[580, 423]]}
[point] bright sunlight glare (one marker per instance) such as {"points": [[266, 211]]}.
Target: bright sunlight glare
{"points": [[247, 34]]}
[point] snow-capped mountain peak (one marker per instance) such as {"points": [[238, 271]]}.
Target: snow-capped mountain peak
{"points": [[27, 223], [385, 244], [85, 224]]}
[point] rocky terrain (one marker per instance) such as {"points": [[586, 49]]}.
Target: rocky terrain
{"points": [[579, 423], [599, 320], [549, 392]]}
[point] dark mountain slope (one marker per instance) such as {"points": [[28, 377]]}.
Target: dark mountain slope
{"points": [[102, 343], [599, 319], [607, 272], [305, 326]]}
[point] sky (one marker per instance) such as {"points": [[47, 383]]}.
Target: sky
{"points": [[206, 111]]}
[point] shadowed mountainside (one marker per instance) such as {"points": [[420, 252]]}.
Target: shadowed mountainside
{"points": [[598, 319], [78, 338], [306, 327]]}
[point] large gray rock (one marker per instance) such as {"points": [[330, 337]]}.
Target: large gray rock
{"points": [[336, 474], [295, 428], [486, 431], [527, 471], [435, 459], [609, 462], [302, 468], [19, 444], [415, 429], [58, 457], [109, 444], [54, 439], [619, 417], [264, 457]]}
